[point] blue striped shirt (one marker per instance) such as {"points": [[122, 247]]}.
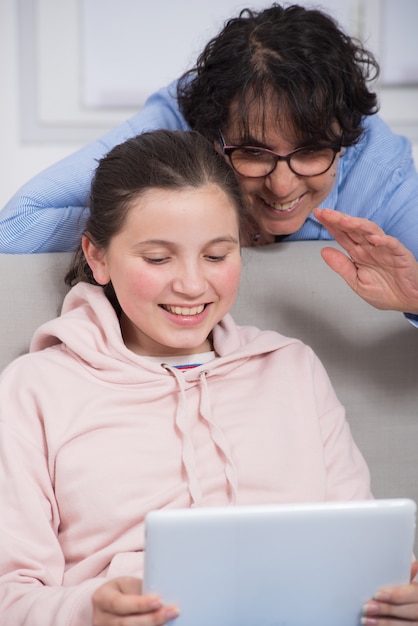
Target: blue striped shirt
{"points": [[377, 180]]}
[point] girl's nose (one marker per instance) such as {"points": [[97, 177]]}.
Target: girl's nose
{"points": [[190, 281]]}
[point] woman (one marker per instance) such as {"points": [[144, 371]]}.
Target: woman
{"points": [[283, 93], [144, 394]]}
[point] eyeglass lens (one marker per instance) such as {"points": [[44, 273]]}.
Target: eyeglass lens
{"points": [[259, 162]]}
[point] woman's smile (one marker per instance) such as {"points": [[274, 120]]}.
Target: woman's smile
{"points": [[285, 207]]}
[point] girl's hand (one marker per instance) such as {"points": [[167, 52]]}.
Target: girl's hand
{"points": [[377, 267], [394, 606], [120, 602]]}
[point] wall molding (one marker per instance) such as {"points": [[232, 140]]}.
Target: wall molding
{"points": [[49, 45], [50, 39]]}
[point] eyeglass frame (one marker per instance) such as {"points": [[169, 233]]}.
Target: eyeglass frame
{"points": [[228, 150]]}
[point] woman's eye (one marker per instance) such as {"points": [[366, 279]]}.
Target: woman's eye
{"points": [[253, 154], [215, 258]]}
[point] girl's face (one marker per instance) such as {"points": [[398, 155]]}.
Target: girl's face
{"points": [[175, 268], [282, 201]]}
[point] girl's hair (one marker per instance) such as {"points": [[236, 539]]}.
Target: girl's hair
{"points": [[296, 58], [159, 159]]}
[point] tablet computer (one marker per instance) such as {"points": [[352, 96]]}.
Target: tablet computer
{"points": [[277, 565]]}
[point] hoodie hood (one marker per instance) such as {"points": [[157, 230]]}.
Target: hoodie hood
{"points": [[89, 330]]}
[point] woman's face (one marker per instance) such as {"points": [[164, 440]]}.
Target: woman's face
{"points": [[281, 202], [175, 268]]}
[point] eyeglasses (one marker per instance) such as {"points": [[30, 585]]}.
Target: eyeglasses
{"points": [[254, 162]]}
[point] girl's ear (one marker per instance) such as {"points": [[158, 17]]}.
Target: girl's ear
{"points": [[96, 258]]}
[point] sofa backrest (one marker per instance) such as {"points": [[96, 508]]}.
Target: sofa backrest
{"points": [[371, 356]]}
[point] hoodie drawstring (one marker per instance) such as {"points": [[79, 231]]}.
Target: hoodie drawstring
{"points": [[219, 438], [188, 450]]}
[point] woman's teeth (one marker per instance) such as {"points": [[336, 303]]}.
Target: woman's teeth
{"points": [[284, 207], [184, 310]]}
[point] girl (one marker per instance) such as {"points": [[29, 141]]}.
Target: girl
{"points": [[144, 394]]}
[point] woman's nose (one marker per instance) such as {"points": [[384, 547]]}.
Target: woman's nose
{"points": [[281, 182]]}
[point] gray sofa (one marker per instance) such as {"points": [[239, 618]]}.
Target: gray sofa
{"points": [[371, 356]]}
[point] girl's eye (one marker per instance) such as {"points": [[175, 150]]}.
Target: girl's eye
{"points": [[156, 260], [215, 258]]}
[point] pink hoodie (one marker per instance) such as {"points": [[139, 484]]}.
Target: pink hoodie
{"points": [[94, 436]]}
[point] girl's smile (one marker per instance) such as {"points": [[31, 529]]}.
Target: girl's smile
{"points": [[186, 315]]}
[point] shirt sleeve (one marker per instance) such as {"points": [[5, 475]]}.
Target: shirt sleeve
{"points": [[413, 318], [48, 213], [398, 214]]}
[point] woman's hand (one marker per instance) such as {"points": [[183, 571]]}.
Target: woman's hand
{"points": [[378, 267], [394, 606], [120, 602]]}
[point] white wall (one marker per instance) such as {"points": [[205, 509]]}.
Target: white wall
{"points": [[19, 159]]}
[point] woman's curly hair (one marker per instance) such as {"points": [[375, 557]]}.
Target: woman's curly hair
{"points": [[296, 58]]}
